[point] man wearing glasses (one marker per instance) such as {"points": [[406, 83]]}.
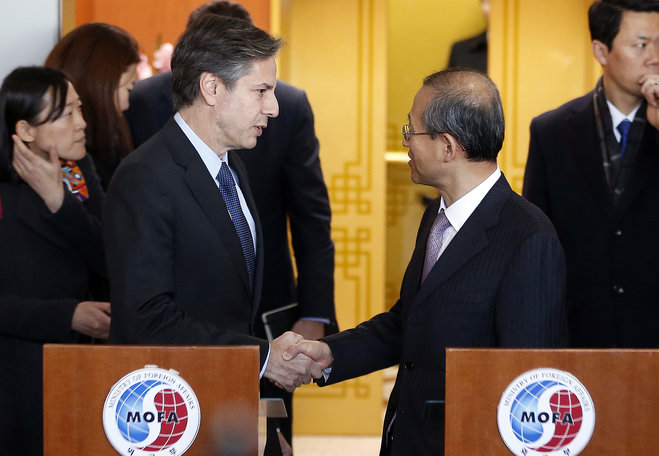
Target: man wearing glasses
{"points": [[487, 269]]}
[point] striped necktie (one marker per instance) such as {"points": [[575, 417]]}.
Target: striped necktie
{"points": [[434, 244]]}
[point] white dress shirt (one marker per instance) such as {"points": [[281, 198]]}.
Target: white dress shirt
{"points": [[617, 117], [458, 212], [213, 164]]}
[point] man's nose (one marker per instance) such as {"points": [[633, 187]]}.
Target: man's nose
{"points": [[654, 53], [271, 105]]}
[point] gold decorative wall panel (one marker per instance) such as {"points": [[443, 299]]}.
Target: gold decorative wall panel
{"points": [[336, 52], [539, 57], [406, 203], [421, 33]]}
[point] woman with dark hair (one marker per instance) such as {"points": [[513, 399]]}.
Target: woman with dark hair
{"points": [[101, 59], [50, 238]]}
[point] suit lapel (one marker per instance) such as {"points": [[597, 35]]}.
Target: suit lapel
{"points": [[207, 195], [589, 153], [470, 240], [645, 164], [412, 277]]}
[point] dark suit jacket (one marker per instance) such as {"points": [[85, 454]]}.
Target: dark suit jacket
{"points": [[499, 283], [470, 53], [176, 267], [612, 253], [44, 274], [287, 183]]}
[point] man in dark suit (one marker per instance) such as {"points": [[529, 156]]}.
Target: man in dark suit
{"points": [[472, 52], [183, 239], [487, 269], [600, 187], [287, 184]]}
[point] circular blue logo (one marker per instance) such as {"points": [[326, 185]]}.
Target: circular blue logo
{"points": [[151, 411], [546, 411]]}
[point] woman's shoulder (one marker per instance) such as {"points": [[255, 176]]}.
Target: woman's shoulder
{"points": [[10, 191]]}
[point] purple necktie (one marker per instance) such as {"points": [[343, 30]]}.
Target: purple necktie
{"points": [[434, 244]]}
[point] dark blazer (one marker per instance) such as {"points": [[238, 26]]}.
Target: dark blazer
{"points": [[176, 267], [44, 274], [499, 283], [470, 53], [612, 252], [287, 184], [288, 187]]}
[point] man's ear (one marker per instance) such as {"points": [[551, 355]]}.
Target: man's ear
{"points": [[452, 147], [210, 87], [25, 131], [600, 51]]}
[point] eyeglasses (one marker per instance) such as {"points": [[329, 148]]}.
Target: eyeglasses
{"points": [[408, 132]]}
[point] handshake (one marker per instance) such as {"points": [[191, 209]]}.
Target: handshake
{"points": [[295, 361]]}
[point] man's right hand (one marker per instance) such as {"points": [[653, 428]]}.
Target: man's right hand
{"points": [[291, 372], [320, 352], [92, 318]]}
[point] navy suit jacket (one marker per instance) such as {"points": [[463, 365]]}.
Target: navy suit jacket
{"points": [[288, 187], [612, 251], [499, 283], [176, 267]]}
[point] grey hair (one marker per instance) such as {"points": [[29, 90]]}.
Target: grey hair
{"points": [[223, 46], [466, 105]]}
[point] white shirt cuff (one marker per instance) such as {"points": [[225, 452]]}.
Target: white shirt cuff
{"points": [[267, 358]]}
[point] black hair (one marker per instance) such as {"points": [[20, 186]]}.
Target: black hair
{"points": [[223, 46], [605, 16], [227, 8], [23, 97]]}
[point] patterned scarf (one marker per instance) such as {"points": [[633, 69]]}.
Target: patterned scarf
{"points": [[74, 180], [616, 167]]}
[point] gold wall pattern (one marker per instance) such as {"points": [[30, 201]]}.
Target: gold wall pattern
{"points": [[336, 52], [539, 57], [349, 189], [420, 35], [405, 208]]}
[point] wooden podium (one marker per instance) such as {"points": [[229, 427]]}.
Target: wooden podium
{"points": [[78, 378], [621, 383]]}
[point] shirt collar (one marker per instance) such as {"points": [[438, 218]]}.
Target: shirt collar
{"points": [[210, 158], [458, 213], [617, 116]]}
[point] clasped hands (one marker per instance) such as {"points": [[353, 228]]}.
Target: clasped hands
{"points": [[294, 361]]}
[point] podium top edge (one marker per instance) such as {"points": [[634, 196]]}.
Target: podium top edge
{"points": [[551, 350], [148, 347]]}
